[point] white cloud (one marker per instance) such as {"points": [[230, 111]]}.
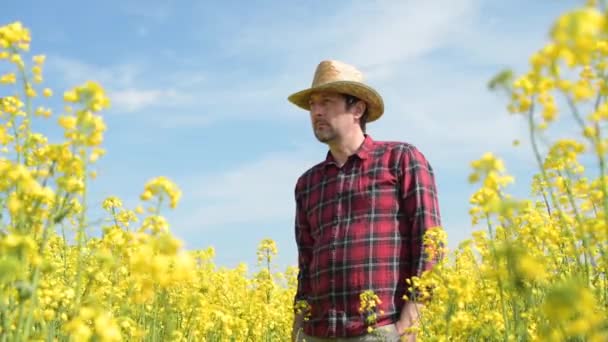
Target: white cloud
{"points": [[74, 72], [370, 32], [449, 113], [122, 84], [132, 99], [384, 32], [179, 120], [258, 191]]}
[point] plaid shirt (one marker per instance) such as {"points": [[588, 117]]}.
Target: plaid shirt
{"points": [[358, 228]]}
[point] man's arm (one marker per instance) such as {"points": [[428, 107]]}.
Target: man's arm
{"points": [[304, 243], [421, 212], [409, 318], [297, 327], [421, 209]]}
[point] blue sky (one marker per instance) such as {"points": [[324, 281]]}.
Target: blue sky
{"points": [[199, 90]]}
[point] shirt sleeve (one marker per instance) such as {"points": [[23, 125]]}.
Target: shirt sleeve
{"points": [[421, 210], [304, 243]]}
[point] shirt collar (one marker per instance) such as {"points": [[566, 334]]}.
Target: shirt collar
{"points": [[362, 152]]}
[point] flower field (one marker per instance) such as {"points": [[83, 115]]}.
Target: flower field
{"points": [[536, 272]]}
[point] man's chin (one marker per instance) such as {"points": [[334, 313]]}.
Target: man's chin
{"points": [[324, 138]]}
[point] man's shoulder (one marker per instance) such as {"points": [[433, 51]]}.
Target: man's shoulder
{"points": [[393, 146], [308, 173], [399, 153]]}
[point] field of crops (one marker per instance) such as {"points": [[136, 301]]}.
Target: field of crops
{"points": [[537, 272]]}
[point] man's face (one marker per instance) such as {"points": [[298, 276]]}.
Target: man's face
{"points": [[329, 117]]}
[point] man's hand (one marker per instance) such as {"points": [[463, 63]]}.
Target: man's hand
{"points": [[409, 318], [296, 330]]}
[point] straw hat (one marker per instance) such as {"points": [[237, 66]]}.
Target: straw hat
{"points": [[332, 75]]}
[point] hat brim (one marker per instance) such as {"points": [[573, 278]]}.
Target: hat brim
{"points": [[366, 93]]}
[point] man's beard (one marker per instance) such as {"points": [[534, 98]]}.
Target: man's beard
{"points": [[325, 135]]}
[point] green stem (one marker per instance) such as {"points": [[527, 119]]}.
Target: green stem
{"points": [[28, 108], [602, 162], [13, 50], [537, 156], [544, 176], [602, 248], [81, 239], [155, 310], [269, 276], [21, 317], [35, 280], [579, 220], [499, 280], [51, 332], [574, 110], [597, 140], [520, 325], [188, 322], [115, 218], [546, 201], [64, 249], [158, 205], [543, 241], [17, 142], [5, 319], [597, 143]]}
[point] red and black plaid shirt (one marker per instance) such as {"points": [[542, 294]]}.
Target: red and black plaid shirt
{"points": [[360, 227]]}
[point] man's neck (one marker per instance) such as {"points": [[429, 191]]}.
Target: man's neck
{"points": [[341, 150]]}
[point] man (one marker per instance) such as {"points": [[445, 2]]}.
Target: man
{"points": [[360, 216]]}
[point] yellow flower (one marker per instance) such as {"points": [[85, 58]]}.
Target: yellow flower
{"points": [[590, 131], [162, 186], [39, 59], [70, 96], [582, 90], [5, 138], [14, 204], [95, 154], [9, 78], [16, 58], [36, 70], [16, 35], [30, 92], [146, 195], [267, 248], [106, 329], [112, 202], [166, 244], [155, 224], [530, 268], [67, 122]]}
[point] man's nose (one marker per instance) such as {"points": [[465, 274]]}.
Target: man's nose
{"points": [[315, 110]]}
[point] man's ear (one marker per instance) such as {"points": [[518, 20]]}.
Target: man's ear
{"points": [[360, 109]]}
